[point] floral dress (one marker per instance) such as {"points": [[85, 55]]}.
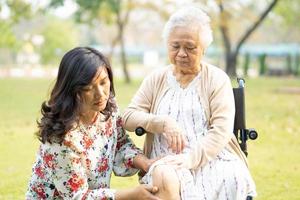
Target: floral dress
{"points": [[81, 167], [225, 177]]}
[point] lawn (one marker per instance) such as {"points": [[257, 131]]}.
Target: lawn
{"points": [[274, 160]]}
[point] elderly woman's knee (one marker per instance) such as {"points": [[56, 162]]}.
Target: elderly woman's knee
{"points": [[166, 179]]}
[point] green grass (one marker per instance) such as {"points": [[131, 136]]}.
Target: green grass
{"points": [[273, 158]]}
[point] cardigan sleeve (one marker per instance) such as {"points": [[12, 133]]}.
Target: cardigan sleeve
{"points": [[221, 121], [137, 114]]}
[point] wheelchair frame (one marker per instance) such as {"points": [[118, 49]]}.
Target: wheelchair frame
{"points": [[240, 131]]}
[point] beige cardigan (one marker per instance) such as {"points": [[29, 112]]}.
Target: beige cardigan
{"points": [[216, 96]]}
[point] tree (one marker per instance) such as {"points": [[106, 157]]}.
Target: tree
{"points": [[121, 21], [110, 11], [289, 11], [8, 38], [232, 51], [17, 10], [59, 37]]}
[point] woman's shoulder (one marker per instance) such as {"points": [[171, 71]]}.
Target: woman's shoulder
{"points": [[53, 150], [157, 77], [72, 144], [159, 73], [213, 75]]}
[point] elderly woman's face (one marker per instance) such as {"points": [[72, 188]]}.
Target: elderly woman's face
{"points": [[184, 48]]}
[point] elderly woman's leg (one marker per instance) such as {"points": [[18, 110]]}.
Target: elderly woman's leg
{"points": [[166, 179]]}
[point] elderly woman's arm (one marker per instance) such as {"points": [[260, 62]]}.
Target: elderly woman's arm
{"points": [[138, 114]]}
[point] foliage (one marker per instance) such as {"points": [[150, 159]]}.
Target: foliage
{"points": [[109, 11], [115, 11], [18, 10], [8, 38], [89, 11], [289, 11], [59, 37], [232, 49]]}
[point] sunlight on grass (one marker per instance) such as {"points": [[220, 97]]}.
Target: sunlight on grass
{"points": [[273, 157]]}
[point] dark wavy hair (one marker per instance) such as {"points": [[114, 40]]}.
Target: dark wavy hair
{"points": [[60, 113]]}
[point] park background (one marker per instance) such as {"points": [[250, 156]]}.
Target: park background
{"points": [[254, 39]]}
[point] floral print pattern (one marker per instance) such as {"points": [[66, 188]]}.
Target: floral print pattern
{"points": [[81, 167]]}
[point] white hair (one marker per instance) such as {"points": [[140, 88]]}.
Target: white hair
{"points": [[190, 16]]}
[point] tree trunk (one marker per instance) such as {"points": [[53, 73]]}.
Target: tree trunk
{"points": [[231, 52], [112, 48], [122, 43], [123, 58], [231, 62]]}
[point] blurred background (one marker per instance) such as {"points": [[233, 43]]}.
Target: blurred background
{"points": [[254, 39]]}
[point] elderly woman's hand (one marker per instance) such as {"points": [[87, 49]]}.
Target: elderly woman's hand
{"points": [[174, 135], [178, 161]]}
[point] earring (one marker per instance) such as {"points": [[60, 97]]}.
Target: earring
{"points": [[78, 97]]}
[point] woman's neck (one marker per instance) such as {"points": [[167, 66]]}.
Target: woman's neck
{"points": [[184, 77], [88, 118]]}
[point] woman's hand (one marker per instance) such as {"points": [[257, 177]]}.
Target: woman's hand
{"points": [[145, 192], [141, 192], [174, 135], [143, 163]]}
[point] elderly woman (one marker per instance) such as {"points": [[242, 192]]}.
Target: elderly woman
{"points": [[82, 139], [187, 110]]}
